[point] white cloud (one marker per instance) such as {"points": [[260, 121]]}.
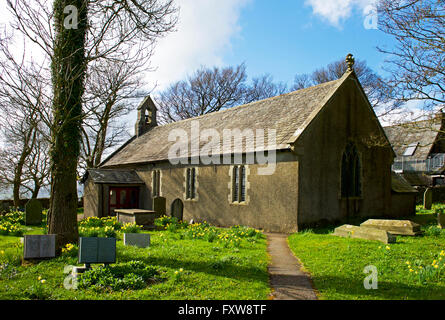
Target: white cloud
{"points": [[336, 11], [203, 36]]}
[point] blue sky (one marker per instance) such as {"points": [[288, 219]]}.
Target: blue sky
{"points": [[285, 37], [282, 37]]}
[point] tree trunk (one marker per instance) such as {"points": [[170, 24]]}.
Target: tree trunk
{"points": [[68, 73]]}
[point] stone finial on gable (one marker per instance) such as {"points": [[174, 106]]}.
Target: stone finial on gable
{"points": [[350, 62], [146, 116]]}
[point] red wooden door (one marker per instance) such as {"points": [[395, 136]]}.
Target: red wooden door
{"points": [[123, 198]]}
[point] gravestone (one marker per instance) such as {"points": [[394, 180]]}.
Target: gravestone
{"points": [[4, 207], [33, 212], [428, 199], [141, 240], [398, 227], [441, 219], [350, 231], [39, 246], [159, 205], [97, 250]]}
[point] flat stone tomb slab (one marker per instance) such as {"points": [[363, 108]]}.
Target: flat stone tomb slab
{"points": [[39, 246], [350, 231], [141, 240], [141, 217], [398, 227], [97, 250]]}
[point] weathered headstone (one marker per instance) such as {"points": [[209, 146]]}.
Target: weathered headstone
{"points": [[4, 206], [39, 246], [428, 199], [398, 227], [141, 240], [350, 231], [159, 205], [97, 250], [33, 212], [441, 219]]}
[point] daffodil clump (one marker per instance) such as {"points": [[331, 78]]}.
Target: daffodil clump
{"points": [[231, 237], [70, 250], [424, 273], [11, 223], [8, 228], [171, 224], [105, 227]]}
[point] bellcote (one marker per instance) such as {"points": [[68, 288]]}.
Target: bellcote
{"points": [[146, 116]]}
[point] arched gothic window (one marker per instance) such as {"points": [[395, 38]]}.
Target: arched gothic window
{"points": [[350, 173]]}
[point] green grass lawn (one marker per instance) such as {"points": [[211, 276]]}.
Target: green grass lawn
{"points": [[210, 271], [337, 264]]}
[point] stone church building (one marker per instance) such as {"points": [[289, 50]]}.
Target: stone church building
{"points": [[331, 161]]}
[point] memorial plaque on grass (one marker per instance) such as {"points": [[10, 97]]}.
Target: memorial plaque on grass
{"points": [[39, 246], [97, 250], [141, 240], [33, 212]]}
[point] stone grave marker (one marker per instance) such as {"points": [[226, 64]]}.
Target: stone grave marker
{"points": [[141, 240], [33, 212], [159, 206], [97, 250], [4, 207], [428, 199], [441, 219], [350, 231], [398, 227], [39, 246]]}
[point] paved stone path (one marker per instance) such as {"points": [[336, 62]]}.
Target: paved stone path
{"points": [[287, 280]]}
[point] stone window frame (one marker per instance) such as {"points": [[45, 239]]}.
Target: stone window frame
{"points": [[156, 183], [196, 182], [232, 185]]}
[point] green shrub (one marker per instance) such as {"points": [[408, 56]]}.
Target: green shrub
{"points": [[434, 231], [132, 275]]}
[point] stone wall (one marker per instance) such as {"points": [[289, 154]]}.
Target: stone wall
{"points": [[347, 117], [44, 201], [271, 200]]}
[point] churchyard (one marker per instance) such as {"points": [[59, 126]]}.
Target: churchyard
{"points": [[411, 268], [198, 261], [180, 262]]}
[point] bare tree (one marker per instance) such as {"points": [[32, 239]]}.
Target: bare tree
{"points": [[104, 30], [417, 61], [263, 87], [379, 94], [23, 99], [112, 90], [213, 89]]}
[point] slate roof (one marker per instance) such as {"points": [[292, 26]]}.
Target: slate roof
{"points": [[422, 132], [400, 185], [113, 176], [288, 114]]}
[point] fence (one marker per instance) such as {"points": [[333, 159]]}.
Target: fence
{"points": [[434, 163]]}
